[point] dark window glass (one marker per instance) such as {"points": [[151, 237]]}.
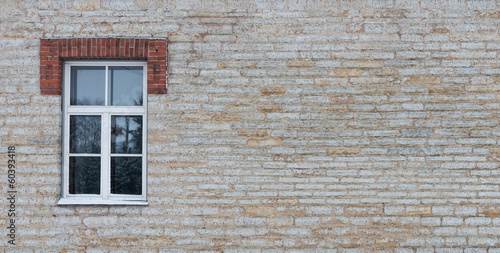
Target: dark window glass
{"points": [[126, 175], [126, 134], [85, 175], [87, 85], [125, 86], [85, 134]]}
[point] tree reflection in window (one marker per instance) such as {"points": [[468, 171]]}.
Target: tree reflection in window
{"points": [[126, 171], [85, 138], [85, 175], [85, 134], [126, 134], [126, 175]]}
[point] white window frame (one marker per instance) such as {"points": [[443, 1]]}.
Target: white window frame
{"points": [[105, 197]]}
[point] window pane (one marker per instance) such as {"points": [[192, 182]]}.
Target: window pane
{"points": [[126, 175], [87, 85], [125, 86], [85, 175], [85, 134], [126, 134]]}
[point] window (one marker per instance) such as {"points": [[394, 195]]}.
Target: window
{"points": [[105, 122]]}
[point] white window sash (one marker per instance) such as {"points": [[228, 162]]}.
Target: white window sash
{"points": [[105, 197]]}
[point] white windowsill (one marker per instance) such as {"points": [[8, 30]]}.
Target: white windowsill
{"points": [[101, 202]]}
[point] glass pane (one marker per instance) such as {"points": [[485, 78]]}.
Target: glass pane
{"points": [[87, 85], [126, 134], [126, 175], [125, 86], [85, 134], [85, 175]]}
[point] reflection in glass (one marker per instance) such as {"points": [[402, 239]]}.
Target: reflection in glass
{"points": [[87, 85], [126, 175], [84, 175], [85, 134], [126, 134], [125, 86]]}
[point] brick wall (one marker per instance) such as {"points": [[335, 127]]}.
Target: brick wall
{"points": [[54, 51], [313, 126]]}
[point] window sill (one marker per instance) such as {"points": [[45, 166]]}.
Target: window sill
{"points": [[103, 202]]}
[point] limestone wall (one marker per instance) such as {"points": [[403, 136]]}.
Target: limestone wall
{"points": [[289, 126]]}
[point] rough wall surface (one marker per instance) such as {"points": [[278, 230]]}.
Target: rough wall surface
{"points": [[289, 126]]}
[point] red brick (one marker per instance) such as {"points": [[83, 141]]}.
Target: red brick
{"points": [[51, 81], [45, 63], [53, 51], [157, 54], [89, 47], [51, 92]]}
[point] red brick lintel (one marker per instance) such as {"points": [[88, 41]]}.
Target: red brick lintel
{"points": [[54, 51]]}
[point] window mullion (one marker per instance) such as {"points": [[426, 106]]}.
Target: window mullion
{"points": [[105, 174], [105, 142], [106, 88], [99, 109]]}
